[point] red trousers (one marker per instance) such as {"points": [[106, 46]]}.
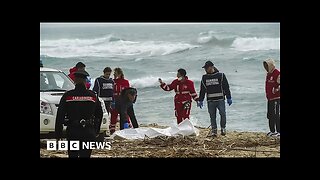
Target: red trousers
{"points": [[182, 112], [114, 118]]}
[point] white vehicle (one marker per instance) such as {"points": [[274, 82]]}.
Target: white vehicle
{"points": [[53, 84]]}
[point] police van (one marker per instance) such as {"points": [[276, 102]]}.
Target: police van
{"points": [[53, 84]]}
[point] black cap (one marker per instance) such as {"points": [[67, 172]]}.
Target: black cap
{"points": [[207, 64], [81, 74]]}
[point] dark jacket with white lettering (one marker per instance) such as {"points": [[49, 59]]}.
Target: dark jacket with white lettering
{"points": [[77, 104], [104, 88], [216, 86]]}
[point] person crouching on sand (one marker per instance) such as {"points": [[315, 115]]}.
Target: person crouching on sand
{"points": [[124, 105]]}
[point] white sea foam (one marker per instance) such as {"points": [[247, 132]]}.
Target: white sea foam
{"points": [[109, 46], [254, 43]]}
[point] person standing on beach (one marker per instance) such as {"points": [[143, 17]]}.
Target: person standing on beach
{"points": [[103, 86], [185, 91], [84, 112], [79, 67], [272, 89], [120, 83], [216, 86]]}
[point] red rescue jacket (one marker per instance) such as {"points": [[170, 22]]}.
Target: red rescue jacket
{"points": [[272, 86], [119, 85], [184, 90], [71, 75]]}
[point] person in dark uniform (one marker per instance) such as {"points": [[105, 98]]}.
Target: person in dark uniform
{"points": [[103, 86], [84, 113], [124, 105], [216, 86]]}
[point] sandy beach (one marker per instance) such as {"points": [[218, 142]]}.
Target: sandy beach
{"points": [[234, 144]]}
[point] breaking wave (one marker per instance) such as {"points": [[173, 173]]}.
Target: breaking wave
{"points": [[239, 43], [109, 46], [254, 43]]}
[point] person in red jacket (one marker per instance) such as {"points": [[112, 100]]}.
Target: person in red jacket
{"points": [[272, 88], [185, 92], [79, 67], [119, 84]]}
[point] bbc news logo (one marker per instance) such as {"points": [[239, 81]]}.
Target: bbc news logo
{"points": [[75, 145]]}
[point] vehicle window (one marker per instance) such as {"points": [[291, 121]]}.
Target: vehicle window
{"points": [[55, 81], [59, 80]]}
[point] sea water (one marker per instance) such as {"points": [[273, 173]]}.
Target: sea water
{"points": [[148, 51]]}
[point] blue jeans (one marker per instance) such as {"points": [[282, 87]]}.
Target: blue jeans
{"points": [[212, 109]]}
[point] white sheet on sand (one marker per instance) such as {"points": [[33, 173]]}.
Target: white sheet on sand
{"points": [[185, 128]]}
